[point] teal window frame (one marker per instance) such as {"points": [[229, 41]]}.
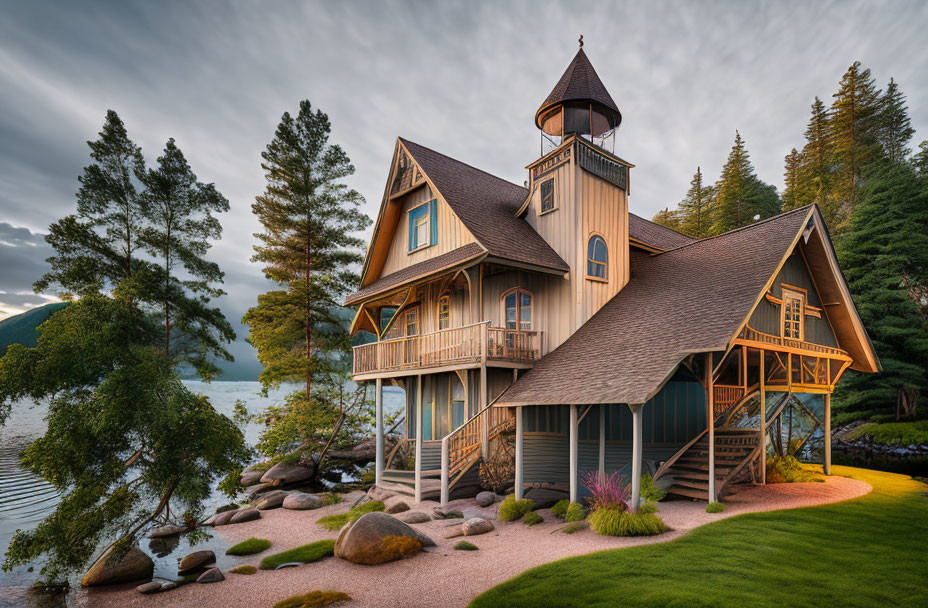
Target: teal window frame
{"points": [[414, 215]]}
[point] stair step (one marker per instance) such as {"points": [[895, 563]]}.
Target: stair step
{"points": [[689, 492], [696, 485]]}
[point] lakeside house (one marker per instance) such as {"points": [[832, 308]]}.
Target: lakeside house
{"points": [[546, 330]]}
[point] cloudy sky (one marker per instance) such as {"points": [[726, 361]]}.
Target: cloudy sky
{"points": [[464, 78]]}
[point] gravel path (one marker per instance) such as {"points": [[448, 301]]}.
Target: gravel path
{"points": [[419, 581]]}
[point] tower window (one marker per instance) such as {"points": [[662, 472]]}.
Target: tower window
{"points": [[547, 195], [597, 259]]}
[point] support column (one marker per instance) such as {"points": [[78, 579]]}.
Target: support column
{"points": [[378, 440], [827, 466], [710, 398], [445, 466], [602, 441], [573, 453], [636, 456], [419, 438], [520, 431], [763, 421], [484, 420]]}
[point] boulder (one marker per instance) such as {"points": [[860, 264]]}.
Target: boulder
{"points": [[169, 530], [147, 588], [213, 575], [544, 498], [244, 515], [133, 566], [397, 507], [221, 519], [251, 478], [456, 532], [271, 500], [229, 507], [376, 493], [370, 538], [485, 499], [414, 517], [284, 473], [195, 561], [442, 514], [169, 585], [300, 501], [254, 490], [477, 525]]}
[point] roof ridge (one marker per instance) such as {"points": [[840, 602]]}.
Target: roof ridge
{"points": [[766, 220], [662, 226], [460, 162]]}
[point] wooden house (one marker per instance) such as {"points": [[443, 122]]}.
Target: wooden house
{"points": [[546, 330]]}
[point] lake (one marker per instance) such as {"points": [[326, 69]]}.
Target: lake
{"points": [[26, 499]]}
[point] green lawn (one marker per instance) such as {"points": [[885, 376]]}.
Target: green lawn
{"points": [[871, 551]]}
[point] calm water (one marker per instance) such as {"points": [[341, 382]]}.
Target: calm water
{"points": [[25, 499]]}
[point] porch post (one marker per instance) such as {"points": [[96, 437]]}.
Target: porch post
{"points": [[763, 420], [710, 394], [445, 466], [573, 453], [827, 466], [636, 456], [519, 451], [419, 438], [378, 440], [602, 441], [484, 431]]}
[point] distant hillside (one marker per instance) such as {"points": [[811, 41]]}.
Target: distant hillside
{"points": [[21, 328]]}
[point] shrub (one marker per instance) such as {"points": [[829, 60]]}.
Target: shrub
{"points": [[647, 507], [391, 548], [330, 498], [532, 518], [786, 469], [605, 490], [575, 527], [244, 569], [336, 522], [615, 522], [893, 433], [715, 507], [314, 599], [249, 547], [305, 553], [466, 546], [575, 512], [511, 509], [560, 508], [649, 491]]}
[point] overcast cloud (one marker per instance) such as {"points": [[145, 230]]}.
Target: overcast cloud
{"points": [[464, 78]]}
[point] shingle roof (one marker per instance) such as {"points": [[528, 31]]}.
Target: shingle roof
{"points": [[654, 234], [687, 300], [486, 205], [422, 269], [579, 83]]}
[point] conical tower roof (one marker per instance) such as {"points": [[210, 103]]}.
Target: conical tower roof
{"points": [[580, 84]]}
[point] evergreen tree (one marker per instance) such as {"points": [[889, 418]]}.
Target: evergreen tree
{"points": [[667, 218], [815, 178], [884, 256], [894, 131], [740, 195], [920, 160], [180, 222], [695, 210], [310, 219], [793, 181], [854, 125]]}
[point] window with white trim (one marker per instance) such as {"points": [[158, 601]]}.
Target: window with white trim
{"points": [[597, 259]]}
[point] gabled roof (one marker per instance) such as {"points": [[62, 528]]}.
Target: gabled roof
{"points": [[580, 82], [692, 299], [655, 235]]}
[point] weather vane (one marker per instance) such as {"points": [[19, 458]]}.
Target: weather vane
{"points": [[581, 41]]}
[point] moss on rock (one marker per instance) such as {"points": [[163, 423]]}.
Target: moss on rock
{"points": [[305, 553], [249, 547]]}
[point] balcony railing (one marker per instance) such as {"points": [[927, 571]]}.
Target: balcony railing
{"points": [[454, 346], [749, 334]]}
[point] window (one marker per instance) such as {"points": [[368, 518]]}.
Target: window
{"points": [[423, 225], [792, 313], [597, 259], [547, 195], [444, 312], [518, 310], [412, 322]]}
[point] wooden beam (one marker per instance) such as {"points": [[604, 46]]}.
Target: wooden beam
{"points": [[418, 477], [378, 452], [827, 467], [573, 454], [763, 421]]}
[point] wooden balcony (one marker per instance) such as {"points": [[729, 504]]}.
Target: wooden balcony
{"points": [[454, 348]]}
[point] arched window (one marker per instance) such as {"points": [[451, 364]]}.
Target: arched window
{"points": [[597, 259], [517, 307]]}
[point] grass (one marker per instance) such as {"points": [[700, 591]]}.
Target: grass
{"points": [[614, 522], [862, 552], [894, 433], [249, 547], [575, 527], [314, 599], [336, 522], [786, 469], [575, 512], [305, 553], [245, 569], [330, 498], [532, 518], [466, 546], [715, 507]]}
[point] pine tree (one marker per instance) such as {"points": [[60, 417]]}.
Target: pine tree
{"points": [[310, 219], [793, 180], [884, 255], [815, 178], [667, 218], [894, 131], [920, 160], [695, 210], [740, 196], [180, 223], [853, 125]]}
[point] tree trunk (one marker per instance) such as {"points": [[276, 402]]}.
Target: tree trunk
{"points": [[309, 331]]}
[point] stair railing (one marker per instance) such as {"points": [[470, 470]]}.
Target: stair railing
{"points": [[761, 445]]}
